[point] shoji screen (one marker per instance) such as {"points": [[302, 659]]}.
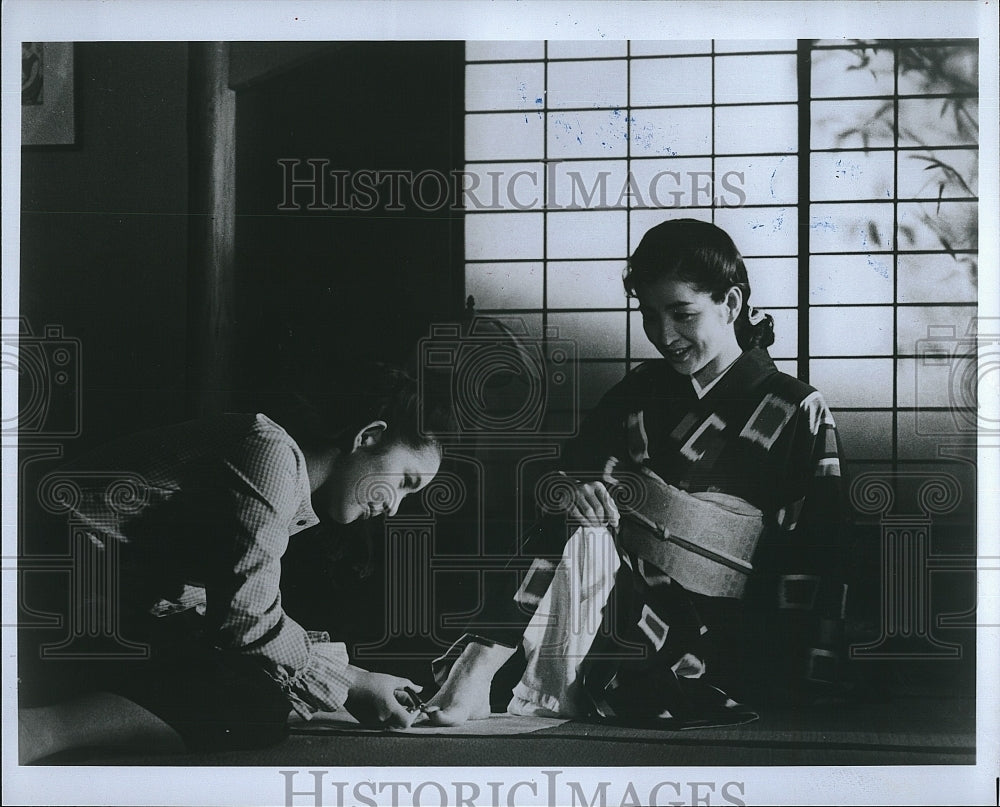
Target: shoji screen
{"points": [[579, 147]]}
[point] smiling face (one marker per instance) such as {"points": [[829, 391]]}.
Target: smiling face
{"points": [[691, 331], [373, 479]]}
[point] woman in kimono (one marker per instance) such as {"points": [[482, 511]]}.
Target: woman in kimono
{"points": [[746, 599]]}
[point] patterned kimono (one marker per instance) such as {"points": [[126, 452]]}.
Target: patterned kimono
{"points": [[664, 652]]}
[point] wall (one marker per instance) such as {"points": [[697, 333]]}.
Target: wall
{"points": [[104, 236], [316, 287]]}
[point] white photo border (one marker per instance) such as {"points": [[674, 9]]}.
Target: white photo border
{"points": [[83, 20]]}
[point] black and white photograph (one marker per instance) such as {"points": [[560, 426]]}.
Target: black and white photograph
{"points": [[468, 403]]}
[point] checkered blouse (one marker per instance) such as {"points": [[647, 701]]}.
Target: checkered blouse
{"points": [[213, 503]]}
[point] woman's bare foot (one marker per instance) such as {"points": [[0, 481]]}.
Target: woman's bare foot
{"points": [[466, 693]]}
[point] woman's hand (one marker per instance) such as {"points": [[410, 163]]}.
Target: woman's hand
{"points": [[593, 506], [378, 699]]}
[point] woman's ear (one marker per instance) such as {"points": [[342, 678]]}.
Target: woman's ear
{"points": [[734, 303], [370, 435]]}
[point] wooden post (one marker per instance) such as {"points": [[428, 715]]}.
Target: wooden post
{"points": [[211, 227]]}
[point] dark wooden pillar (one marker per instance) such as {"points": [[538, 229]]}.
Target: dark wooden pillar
{"points": [[212, 224]]}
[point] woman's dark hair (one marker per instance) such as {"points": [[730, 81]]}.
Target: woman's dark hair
{"points": [[365, 393], [703, 255]]}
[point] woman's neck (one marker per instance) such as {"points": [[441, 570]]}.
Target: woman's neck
{"points": [[319, 464], [722, 361]]}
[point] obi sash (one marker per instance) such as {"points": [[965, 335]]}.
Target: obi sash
{"points": [[704, 541]]}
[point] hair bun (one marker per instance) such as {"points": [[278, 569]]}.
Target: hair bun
{"points": [[757, 330]]}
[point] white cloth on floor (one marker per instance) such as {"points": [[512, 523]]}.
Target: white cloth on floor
{"points": [[563, 627]]}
